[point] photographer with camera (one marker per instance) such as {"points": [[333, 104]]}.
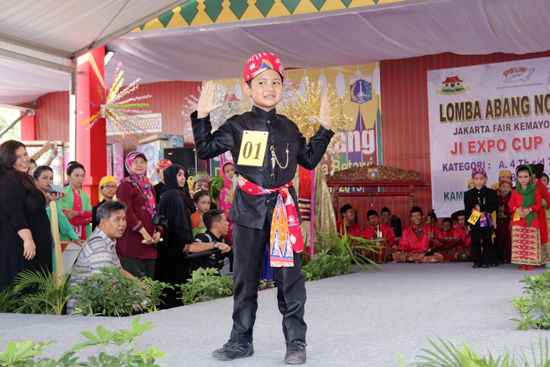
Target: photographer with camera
{"points": [[211, 244], [137, 244], [175, 208]]}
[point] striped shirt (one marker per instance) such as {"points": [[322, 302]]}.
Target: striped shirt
{"points": [[97, 252]]}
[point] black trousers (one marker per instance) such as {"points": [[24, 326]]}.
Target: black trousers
{"points": [[490, 254], [248, 254]]}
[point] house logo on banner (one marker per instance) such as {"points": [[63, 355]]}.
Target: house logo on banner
{"points": [[453, 85], [499, 122]]}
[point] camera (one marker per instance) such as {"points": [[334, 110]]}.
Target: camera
{"points": [[160, 220]]}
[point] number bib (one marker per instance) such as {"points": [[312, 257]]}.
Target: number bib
{"points": [[474, 217], [253, 148]]}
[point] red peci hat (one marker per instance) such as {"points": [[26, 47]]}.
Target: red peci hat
{"points": [[163, 163], [261, 62]]}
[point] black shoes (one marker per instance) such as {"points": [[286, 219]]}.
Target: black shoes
{"points": [[476, 265], [231, 351], [296, 352]]}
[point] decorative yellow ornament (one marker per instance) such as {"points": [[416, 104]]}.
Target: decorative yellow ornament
{"points": [[190, 182], [300, 109]]}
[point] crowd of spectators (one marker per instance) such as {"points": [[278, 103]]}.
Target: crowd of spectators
{"points": [[142, 229]]}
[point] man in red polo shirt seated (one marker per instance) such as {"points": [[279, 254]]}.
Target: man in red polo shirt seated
{"points": [[375, 229], [460, 226], [454, 241], [347, 223], [416, 240]]}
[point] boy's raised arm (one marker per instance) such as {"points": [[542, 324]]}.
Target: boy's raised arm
{"points": [[324, 118], [207, 100], [209, 145]]}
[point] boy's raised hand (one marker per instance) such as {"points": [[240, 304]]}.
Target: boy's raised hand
{"points": [[207, 100], [324, 118]]}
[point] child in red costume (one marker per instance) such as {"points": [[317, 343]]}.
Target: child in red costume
{"points": [[416, 240], [524, 205], [504, 215], [347, 223]]}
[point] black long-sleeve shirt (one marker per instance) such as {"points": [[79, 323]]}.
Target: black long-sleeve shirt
{"points": [[251, 210], [486, 198]]}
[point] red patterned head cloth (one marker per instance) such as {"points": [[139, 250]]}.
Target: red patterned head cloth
{"points": [[261, 62], [479, 170], [164, 163], [505, 176]]}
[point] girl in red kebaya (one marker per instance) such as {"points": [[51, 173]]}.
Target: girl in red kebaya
{"points": [[524, 204]]}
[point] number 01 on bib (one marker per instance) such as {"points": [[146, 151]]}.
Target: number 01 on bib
{"points": [[253, 148]]}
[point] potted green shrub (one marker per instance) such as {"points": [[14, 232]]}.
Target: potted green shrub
{"points": [[111, 293], [205, 285], [356, 248]]}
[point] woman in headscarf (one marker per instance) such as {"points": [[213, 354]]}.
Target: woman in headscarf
{"points": [[176, 206], [226, 195], [524, 204], [137, 243]]}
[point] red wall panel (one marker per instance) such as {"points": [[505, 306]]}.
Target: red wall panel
{"points": [[52, 116]]}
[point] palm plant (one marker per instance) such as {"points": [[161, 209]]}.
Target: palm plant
{"points": [[356, 248], [8, 299], [326, 265], [42, 292], [449, 355]]}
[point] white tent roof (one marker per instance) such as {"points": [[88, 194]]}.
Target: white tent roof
{"points": [[38, 39], [358, 35]]}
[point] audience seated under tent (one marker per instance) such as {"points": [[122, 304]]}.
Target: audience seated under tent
{"points": [[392, 220], [375, 229], [455, 241], [347, 223], [417, 242]]}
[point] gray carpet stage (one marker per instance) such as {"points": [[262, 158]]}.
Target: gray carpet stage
{"points": [[360, 319]]}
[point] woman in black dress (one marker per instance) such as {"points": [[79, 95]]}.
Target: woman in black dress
{"points": [[25, 239], [176, 205]]}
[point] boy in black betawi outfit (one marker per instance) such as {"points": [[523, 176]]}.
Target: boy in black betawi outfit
{"points": [[217, 227], [268, 148], [482, 202]]}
